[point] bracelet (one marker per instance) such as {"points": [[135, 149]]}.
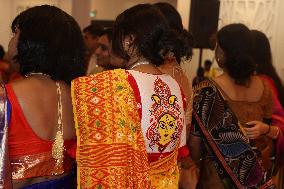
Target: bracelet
{"points": [[268, 130], [277, 134]]}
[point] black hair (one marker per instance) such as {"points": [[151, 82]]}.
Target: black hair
{"points": [[236, 42], [2, 52], [50, 42], [108, 32], [262, 56], [153, 37], [94, 29], [171, 14], [175, 22]]}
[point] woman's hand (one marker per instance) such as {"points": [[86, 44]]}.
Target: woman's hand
{"points": [[189, 174], [256, 129]]}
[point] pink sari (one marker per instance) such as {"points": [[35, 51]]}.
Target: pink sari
{"points": [[277, 118]]}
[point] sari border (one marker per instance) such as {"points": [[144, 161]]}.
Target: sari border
{"points": [[212, 143], [216, 151], [267, 184]]}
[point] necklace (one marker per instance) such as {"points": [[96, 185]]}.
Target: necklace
{"points": [[138, 64], [36, 73]]}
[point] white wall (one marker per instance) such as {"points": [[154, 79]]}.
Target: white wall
{"points": [[65, 5], [9, 9], [81, 12], [278, 48], [5, 22]]}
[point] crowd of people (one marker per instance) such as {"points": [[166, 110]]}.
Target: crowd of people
{"points": [[112, 107]]}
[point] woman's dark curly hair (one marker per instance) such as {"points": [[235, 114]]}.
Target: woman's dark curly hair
{"points": [[50, 42], [175, 22], [262, 56], [236, 42], [153, 37]]}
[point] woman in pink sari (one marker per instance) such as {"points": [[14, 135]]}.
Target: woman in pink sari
{"points": [[263, 58]]}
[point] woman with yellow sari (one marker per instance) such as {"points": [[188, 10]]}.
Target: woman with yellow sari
{"points": [[131, 122]]}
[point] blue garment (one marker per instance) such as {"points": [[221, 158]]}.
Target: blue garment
{"points": [[66, 182]]}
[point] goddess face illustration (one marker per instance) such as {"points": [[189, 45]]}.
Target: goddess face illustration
{"points": [[166, 128], [165, 119]]}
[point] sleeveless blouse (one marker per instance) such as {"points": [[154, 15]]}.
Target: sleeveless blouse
{"points": [[30, 156]]}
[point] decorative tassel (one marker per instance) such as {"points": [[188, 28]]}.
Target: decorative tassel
{"points": [[58, 152]]}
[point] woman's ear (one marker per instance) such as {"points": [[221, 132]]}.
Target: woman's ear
{"points": [[129, 47], [127, 42], [220, 56]]}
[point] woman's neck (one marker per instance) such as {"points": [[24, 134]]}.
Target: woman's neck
{"points": [[135, 60], [142, 65], [226, 78]]}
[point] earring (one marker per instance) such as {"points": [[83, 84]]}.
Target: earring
{"points": [[217, 59], [126, 46]]}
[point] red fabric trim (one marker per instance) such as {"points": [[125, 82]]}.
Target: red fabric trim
{"points": [[135, 88], [182, 153], [72, 150], [156, 156]]}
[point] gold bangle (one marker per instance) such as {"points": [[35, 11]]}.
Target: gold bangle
{"points": [[277, 134], [266, 133]]}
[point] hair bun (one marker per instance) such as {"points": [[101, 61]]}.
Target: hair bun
{"points": [[178, 43]]}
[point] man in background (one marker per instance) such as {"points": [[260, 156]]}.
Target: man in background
{"points": [[105, 57], [91, 37]]}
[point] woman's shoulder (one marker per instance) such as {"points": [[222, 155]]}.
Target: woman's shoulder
{"points": [[267, 88], [268, 81]]}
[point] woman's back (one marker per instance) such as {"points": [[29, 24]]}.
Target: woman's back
{"points": [[251, 93], [41, 121], [251, 102], [162, 103], [38, 100], [33, 128]]}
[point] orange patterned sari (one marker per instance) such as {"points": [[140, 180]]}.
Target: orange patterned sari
{"points": [[111, 151]]}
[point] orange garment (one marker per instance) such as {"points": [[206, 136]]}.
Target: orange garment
{"points": [[111, 151], [30, 155]]}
